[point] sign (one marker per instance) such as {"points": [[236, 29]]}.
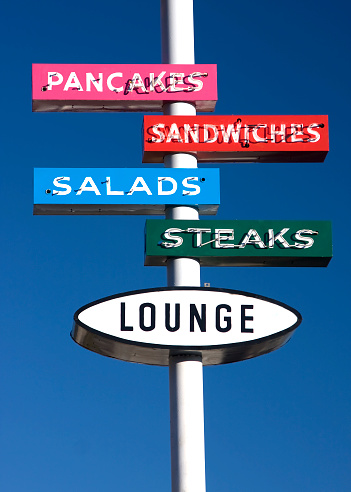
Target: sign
{"points": [[127, 191], [147, 326], [87, 87], [237, 138], [239, 242]]}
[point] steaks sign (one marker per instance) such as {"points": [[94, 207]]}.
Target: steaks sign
{"points": [[284, 243]]}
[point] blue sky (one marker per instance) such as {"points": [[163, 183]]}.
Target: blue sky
{"points": [[72, 420]]}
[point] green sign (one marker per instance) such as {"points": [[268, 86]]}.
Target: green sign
{"points": [[239, 242]]}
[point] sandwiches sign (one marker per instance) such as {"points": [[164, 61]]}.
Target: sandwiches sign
{"points": [[237, 138]]}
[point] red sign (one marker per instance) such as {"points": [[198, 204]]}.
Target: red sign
{"points": [[237, 138], [81, 87]]}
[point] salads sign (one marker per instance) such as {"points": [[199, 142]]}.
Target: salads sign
{"points": [[128, 191], [147, 326], [239, 242], [96, 87]]}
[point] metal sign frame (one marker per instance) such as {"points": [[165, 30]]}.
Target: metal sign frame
{"points": [[155, 354]]}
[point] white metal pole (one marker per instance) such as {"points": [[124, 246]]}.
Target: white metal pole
{"points": [[185, 370], [187, 424]]}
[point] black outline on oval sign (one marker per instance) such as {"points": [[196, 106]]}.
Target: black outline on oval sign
{"points": [[281, 336]]}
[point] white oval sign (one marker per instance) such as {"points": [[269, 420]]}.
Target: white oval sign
{"points": [[148, 325]]}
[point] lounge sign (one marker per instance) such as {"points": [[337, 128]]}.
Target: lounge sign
{"points": [[239, 242], [87, 87], [215, 138], [67, 191], [146, 326]]}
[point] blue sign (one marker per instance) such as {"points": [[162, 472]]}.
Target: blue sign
{"points": [[127, 191]]}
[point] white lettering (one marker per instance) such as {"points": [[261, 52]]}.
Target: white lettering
{"points": [[58, 183], [296, 129], [157, 82], [224, 235], [85, 187], [198, 231], [275, 131], [186, 184], [108, 188], [316, 134], [255, 133], [51, 80], [97, 83], [143, 186], [109, 82], [176, 79], [278, 237], [246, 134], [174, 134], [193, 132], [231, 131], [73, 82], [197, 83], [136, 83], [161, 135], [167, 235], [161, 191], [255, 240], [307, 240], [207, 129]]}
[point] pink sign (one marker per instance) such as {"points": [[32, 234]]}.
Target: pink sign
{"points": [[86, 87]]}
